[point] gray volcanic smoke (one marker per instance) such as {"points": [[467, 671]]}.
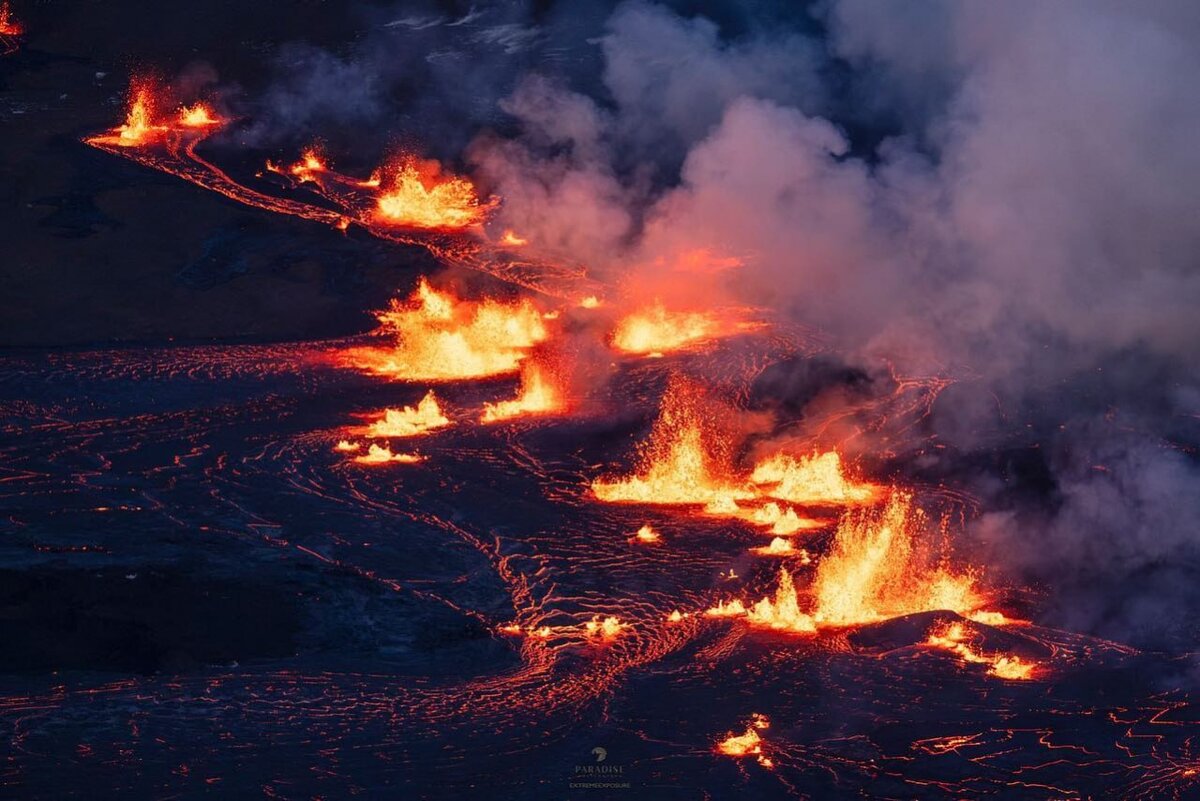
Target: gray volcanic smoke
{"points": [[1006, 194], [1031, 229]]}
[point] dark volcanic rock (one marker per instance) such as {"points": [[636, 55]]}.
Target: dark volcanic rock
{"points": [[145, 621]]}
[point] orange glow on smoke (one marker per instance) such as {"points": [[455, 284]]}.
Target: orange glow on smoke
{"points": [[703, 260], [953, 637], [538, 396], [677, 465], [442, 338], [750, 743], [380, 454], [9, 26], [417, 194], [410, 421]]}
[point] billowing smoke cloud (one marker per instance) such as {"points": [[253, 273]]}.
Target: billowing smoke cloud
{"points": [[1032, 225], [1028, 224]]}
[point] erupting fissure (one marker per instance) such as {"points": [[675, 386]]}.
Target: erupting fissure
{"points": [[539, 395], [381, 454], [876, 569], [416, 193], [656, 330], [442, 338], [749, 743], [678, 462], [685, 461], [410, 421]]}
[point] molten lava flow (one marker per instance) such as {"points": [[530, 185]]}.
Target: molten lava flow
{"points": [[590, 302], [815, 479], [953, 637], [378, 454], [538, 396], [677, 462], [748, 744], [512, 240], [605, 629], [656, 330], [410, 421], [416, 194], [346, 446], [990, 618], [442, 338]]}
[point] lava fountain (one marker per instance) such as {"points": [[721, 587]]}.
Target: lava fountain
{"points": [[875, 570], [678, 462], [539, 396], [410, 421], [442, 338], [415, 193]]}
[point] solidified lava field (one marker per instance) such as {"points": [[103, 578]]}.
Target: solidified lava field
{"points": [[320, 484]]}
